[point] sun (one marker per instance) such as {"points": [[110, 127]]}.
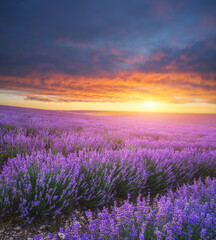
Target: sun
{"points": [[150, 104]]}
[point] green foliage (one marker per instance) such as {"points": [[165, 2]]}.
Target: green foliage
{"points": [[127, 180], [159, 178], [205, 170], [94, 188], [10, 127], [31, 131], [117, 143], [9, 202]]}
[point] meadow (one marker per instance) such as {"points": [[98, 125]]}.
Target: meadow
{"points": [[135, 175]]}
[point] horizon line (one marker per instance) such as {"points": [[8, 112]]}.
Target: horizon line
{"points": [[100, 111]]}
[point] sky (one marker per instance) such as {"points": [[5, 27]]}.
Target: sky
{"points": [[121, 55]]}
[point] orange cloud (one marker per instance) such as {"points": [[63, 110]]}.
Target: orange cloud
{"points": [[119, 87]]}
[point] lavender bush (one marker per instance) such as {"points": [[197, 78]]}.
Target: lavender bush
{"points": [[39, 184], [188, 213]]}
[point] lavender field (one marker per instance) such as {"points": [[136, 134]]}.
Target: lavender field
{"points": [[135, 175]]}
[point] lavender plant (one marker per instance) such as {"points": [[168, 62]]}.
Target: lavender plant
{"points": [[40, 184], [188, 213]]}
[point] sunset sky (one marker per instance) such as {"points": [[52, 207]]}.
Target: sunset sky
{"points": [[129, 55]]}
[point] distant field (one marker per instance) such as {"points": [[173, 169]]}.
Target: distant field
{"points": [[153, 174]]}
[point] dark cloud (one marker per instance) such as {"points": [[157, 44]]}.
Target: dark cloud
{"points": [[76, 37], [106, 49], [199, 57]]}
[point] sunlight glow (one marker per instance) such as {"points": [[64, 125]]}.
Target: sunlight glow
{"points": [[151, 105]]}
